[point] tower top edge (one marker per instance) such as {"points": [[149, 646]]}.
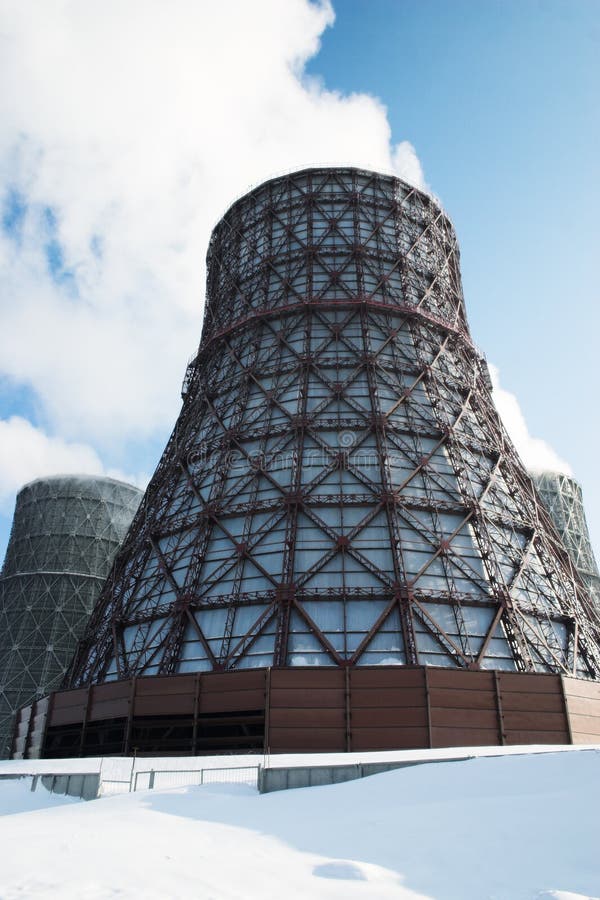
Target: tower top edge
{"points": [[340, 170], [553, 475], [74, 480]]}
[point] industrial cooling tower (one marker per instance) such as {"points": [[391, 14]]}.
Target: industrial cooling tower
{"points": [[564, 500], [340, 548], [65, 533]]}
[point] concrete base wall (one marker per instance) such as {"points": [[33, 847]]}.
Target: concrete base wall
{"points": [[85, 785], [283, 779]]}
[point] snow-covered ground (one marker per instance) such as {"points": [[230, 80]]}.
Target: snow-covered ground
{"points": [[514, 827], [17, 797]]}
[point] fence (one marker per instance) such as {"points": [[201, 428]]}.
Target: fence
{"points": [[110, 786], [147, 779]]}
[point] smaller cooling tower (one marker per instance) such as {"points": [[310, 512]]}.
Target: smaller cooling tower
{"points": [[563, 498], [65, 533]]}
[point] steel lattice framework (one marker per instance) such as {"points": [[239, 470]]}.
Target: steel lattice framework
{"points": [[65, 533], [564, 500], [338, 489]]}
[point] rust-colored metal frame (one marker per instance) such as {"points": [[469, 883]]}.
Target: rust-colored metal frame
{"points": [[394, 270]]}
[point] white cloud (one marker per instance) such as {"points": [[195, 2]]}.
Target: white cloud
{"points": [[537, 454], [406, 161], [27, 453], [137, 124]]}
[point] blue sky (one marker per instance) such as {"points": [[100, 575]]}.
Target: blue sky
{"points": [[110, 182], [501, 101]]}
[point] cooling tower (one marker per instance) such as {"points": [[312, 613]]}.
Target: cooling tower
{"points": [[64, 536], [563, 498], [340, 548]]}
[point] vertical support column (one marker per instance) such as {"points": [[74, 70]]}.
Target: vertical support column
{"points": [[128, 727], [566, 708], [267, 737], [197, 686], [47, 724], [427, 706], [88, 703], [30, 721], [348, 708], [497, 690]]}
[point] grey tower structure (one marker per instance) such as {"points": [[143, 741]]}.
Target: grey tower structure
{"points": [[65, 533], [339, 490], [563, 497]]}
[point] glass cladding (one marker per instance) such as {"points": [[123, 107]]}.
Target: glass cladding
{"points": [[338, 489]]}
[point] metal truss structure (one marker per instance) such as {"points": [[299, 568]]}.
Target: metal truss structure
{"points": [[64, 536], [338, 489], [563, 498]]}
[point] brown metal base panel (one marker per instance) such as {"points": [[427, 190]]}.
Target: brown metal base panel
{"points": [[310, 710]]}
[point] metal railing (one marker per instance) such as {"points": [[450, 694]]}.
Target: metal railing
{"points": [[147, 779], [109, 786]]}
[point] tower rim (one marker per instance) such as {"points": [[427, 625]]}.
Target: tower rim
{"points": [[331, 169], [80, 476]]}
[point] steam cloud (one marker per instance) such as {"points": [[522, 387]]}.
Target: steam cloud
{"points": [[537, 455]]}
